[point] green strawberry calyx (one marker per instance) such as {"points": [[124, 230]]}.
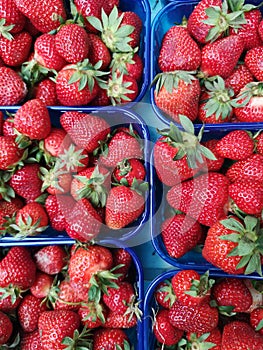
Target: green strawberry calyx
{"points": [[170, 80], [198, 343], [248, 237], [187, 143], [71, 158], [79, 340], [168, 289], [5, 29], [26, 227], [254, 89], [121, 59], [200, 287]]}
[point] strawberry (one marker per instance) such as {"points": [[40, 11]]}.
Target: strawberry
{"points": [[46, 91], [247, 195], [28, 312], [42, 285], [54, 141], [129, 63], [232, 292], [10, 299], [121, 257], [110, 339], [123, 206], [128, 170], [191, 288], [102, 98], [164, 294], [203, 198], [220, 57], [179, 51], [55, 181], [17, 268], [13, 90], [226, 253], [14, 154], [56, 217], [98, 51], [96, 129], [108, 6], [240, 335], [50, 259], [120, 320], [256, 317], [247, 170], [236, 145], [72, 42], [239, 78], [89, 8], [26, 181], [210, 340], [72, 158], [30, 341], [92, 314], [14, 52], [46, 54], [66, 297], [6, 327], [213, 164], [12, 16], [120, 299], [177, 93], [180, 234], [249, 103], [8, 209], [43, 14], [130, 18], [55, 325], [198, 318], [8, 127], [259, 143], [121, 88], [33, 110], [252, 61]]}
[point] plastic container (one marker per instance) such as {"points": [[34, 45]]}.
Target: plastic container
{"points": [[150, 304], [192, 259], [167, 17], [116, 117]]}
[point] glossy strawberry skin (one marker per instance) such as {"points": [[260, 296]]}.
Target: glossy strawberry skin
{"points": [[213, 165], [30, 341], [56, 216], [46, 92], [259, 143], [35, 211], [239, 78], [50, 259], [109, 338], [6, 328], [119, 299], [12, 88], [256, 316], [247, 170], [252, 61], [42, 285], [137, 171], [251, 112], [98, 51], [131, 18], [89, 8], [121, 257], [14, 154], [119, 320], [12, 16]]}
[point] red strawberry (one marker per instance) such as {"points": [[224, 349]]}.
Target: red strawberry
{"points": [[46, 54], [98, 51], [110, 338], [92, 315], [12, 88], [102, 98], [256, 317], [53, 143], [164, 294], [10, 299], [236, 145], [86, 130], [46, 91], [191, 288], [12, 16], [212, 338], [121, 257], [177, 93], [179, 51], [30, 341], [72, 43], [131, 18], [249, 169], [119, 320], [259, 143], [56, 216], [198, 318], [213, 164], [37, 111], [17, 268], [129, 63], [6, 327], [8, 127], [180, 234], [55, 181], [28, 312], [252, 60], [50, 259], [8, 210], [203, 198], [42, 285], [121, 88], [221, 56], [128, 170], [120, 299], [240, 77], [232, 292], [55, 325], [108, 6], [68, 298], [164, 331], [240, 335], [89, 8], [12, 156]]}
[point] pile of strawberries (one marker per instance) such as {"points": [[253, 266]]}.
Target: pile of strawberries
{"points": [[84, 178], [72, 297], [213, 196], [211, 65], [85, 54], [195, 311]]}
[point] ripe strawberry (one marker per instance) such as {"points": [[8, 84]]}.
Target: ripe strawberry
{"points": [[28, 312], [247, 170], [72, 158], [14, 52], [223, 252], [203, 198], [10, 299], [210, 340], [120, 299], [10, 153], [98, 51], [56, 217], [102, 98], [252, 61], [213, 164], [236, 145], [130, 18], [72, 42], [8, 209], [256, 317], [89, 8], [121, 88], [180, 234], [198, 318], [92, 315], [129, 63], [179, 51], [26, 181], [6, 327], [121, 257], [240, 77], [221, 56], [42, 285], [17, 268], [247, 195], [46, 91], [259, 143], [123, 206], [110, 339], [177, 93], [13, 90], [164, 294], [128, 170], [68, 298], [12, 16], [46, 54], [249, 103], [108, 6], [240, 335], [232, 292], [50, 259], [43, 14], [96, 129], [8, 127], [33, 110], [55, 325], [120, 320], [53, 143], [55, 181], [191, 288], [30, 341]]}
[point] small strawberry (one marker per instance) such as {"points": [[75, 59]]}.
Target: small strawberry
{"points": [[121, 88], [6, 327], [46, 91], [164, 294], [240, 77], [50, 259], [92, 315], [247, 170], [256, 319], [42, 285], [10, 158], [128, 170], [110, 339], [259, 143], [13, 90], [179, 51], [252, 61], [98, 51], [129, 63], [121, 257]]}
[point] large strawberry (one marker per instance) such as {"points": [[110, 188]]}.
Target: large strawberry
{"points": [[177, 93], [13, 90], [252, 61], [12, 16], [179, 51], [248, 170], [50, 259], [110, 339]]}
